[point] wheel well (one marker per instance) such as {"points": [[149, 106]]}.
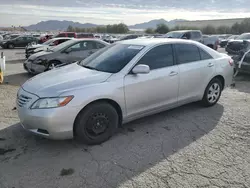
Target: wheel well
{"points": [[109, 101], [221, 78]]}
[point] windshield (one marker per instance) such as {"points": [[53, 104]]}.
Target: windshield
{"points": [[113, 58], [174, 34], [63, 45], [244, 36], [233, 37], [48, 42]]}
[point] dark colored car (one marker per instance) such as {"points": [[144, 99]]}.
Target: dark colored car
{"points": [[235, 46], [224, 42], [63, 54], [31, 49], [21, 41]]}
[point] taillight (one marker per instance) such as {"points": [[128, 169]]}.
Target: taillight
{"points": [[231, 62]]}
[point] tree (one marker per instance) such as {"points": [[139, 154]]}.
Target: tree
{"points": [[70, 29], [149, 31], [209, 30], [223, 30], [162, 29]]}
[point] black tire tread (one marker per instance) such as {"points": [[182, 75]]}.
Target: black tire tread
{"points": [[82, 116]]}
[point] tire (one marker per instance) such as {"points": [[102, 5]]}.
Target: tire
{"points": [[99, 114], [208, 99], [51, 64], [11, 46]]}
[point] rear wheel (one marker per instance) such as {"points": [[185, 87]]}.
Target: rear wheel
{"points": [[212, 93], [11, 46], [96, 124]]}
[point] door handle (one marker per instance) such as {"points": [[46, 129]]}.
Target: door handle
{"points": [[210, 65], [173, 73], [91, 52]]}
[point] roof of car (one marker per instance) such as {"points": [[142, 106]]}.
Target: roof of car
{"points": [[153, 41], [59, 38]]}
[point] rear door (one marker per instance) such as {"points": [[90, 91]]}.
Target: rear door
{"points": [[196, 68]]}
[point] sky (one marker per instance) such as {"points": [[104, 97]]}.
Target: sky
{"points": [[26, 12]]}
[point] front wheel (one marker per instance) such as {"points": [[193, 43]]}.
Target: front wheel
{"points": [[212, 93], [96, 124]]}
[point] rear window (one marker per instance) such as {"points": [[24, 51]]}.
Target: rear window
{"points": [[113, 58], [205, 55]]}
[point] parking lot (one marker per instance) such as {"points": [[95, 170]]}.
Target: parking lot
{"points": [[190, 146]]}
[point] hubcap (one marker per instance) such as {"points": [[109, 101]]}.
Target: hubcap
{"points": [[97, 124], [213, 92]]}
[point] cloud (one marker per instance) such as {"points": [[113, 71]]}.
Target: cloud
{"points": [[25, 12]]}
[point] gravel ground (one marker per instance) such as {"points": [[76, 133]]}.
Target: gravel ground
{"points": [[13, 54], [189, 146]]}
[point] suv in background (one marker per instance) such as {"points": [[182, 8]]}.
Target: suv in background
{"points": [[21, 41], [195, 35]]}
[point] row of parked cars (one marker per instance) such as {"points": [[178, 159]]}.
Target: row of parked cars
{"points": [[103, 85]]}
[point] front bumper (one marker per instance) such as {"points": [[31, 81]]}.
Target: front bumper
{"points": [[53, 123], [33, 68]]}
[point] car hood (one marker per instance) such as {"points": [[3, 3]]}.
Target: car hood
{"points": [[35, 46], [39, 54], [235, 41], [63, 79]]}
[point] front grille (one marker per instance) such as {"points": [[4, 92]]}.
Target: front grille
{"points": [[22, 100]]}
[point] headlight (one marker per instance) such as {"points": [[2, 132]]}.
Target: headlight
{"points": [[51, 102], [40, 61]]}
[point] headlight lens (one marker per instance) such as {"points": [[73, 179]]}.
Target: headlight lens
{"points": [[40, 61], [51, 102]]}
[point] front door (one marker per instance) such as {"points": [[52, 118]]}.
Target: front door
{"points": [[157, 89]]}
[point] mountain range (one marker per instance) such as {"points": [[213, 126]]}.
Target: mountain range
{"points": [[63, 25]]}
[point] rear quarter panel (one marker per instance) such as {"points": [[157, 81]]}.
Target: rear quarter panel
{"points": [[224, 69]]}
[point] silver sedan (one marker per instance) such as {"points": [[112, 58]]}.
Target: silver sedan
{"points": [[122, 82]]}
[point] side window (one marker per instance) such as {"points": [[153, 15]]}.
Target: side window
{"points": [[187, 53], [196, 35], [71, 34], [158, 57], [83, 45], [99, 45], [61, 41], [204, 55], [187, 35], [21, 39], [76, 47]]}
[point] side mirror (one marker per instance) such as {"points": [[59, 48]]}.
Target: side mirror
{"points": [[141, 69], [68, 50], [184, 37]]}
